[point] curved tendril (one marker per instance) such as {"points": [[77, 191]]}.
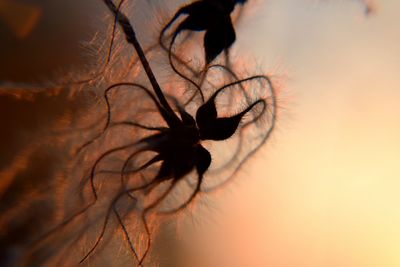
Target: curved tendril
{"points": [[163, 46], [198, 89], [126, 234], [147, 210], [94, 192], [204, 76], [235, 154], [172, 55], [105, 154], [189, 200], [108, 121], [166, 27], [92, 176], [99, 238], [238, 148], [240, 82], [109, 210], [116, 85], [233, 74], [266, 137], [139, 125]]}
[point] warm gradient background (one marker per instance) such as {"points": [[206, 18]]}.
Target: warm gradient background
{"points": [[324, 192]]}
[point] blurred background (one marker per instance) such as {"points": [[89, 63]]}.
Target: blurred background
{"points": [[322, 192]]}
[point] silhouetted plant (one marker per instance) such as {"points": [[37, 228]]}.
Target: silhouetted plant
{"points": [[177, 146], [178, 141]]}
